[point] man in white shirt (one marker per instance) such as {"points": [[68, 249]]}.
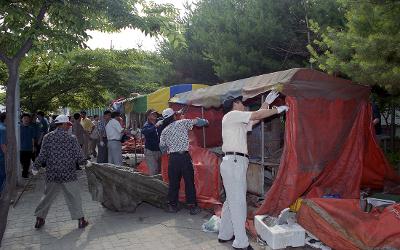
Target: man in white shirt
{"points": [[114, 133], [235, 125]]}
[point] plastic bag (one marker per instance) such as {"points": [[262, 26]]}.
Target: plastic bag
{"points": [[212, 225]]}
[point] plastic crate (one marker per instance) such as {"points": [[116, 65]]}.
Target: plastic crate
{"points": [[280, 236]]}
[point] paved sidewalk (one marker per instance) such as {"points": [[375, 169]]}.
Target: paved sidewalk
{"points": [[147, 228]]}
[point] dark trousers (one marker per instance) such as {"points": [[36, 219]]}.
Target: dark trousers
{"points": [[25, 159], [102, 155], [180, 165]]}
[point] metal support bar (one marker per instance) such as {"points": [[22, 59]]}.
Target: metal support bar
{"points": [[204, 129], [262, 136]]}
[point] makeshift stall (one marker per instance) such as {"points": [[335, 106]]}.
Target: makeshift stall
{"points": [[264, 142], [205, 163], [134, 109], [329, 151]]}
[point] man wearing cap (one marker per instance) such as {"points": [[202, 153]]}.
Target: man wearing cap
{"points": [[60, 153], [175, 139], [152, 131], [235, 125]]}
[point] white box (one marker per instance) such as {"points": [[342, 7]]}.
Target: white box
{"points": [[280, 236]]}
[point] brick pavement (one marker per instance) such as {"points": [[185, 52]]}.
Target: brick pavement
{"points": [[147, 228]]}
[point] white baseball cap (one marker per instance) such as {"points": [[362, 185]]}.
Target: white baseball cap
{"points": [[61, 119], [168, 112]]}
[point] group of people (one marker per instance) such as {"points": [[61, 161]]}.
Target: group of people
{"points": [[66, 142], [61, 146], [97, 137], [170, 135]]}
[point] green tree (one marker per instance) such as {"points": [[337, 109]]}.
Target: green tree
{"points": [[245, 38], [189, 63], [88, 78], [60, 26], [367, 48], [2, 98]]}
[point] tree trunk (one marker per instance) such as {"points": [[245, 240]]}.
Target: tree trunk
{"points": [[11, 164], [12, 105]]}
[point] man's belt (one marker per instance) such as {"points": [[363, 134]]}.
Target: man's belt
{"points": [[180, 152], [236, 153]]}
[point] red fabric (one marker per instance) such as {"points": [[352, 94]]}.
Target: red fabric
{"points": [[143, 168], [213, 132], [206, 176], [329, 148], [347, 227]]}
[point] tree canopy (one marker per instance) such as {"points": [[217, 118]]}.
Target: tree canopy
{"points": [[88, 78], [63, 25], [367, 48], [244, 38]]}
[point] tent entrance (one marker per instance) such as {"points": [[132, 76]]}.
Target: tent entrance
{"points": [[265, 145]]}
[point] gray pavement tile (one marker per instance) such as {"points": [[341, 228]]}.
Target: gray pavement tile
{"points": [[147, 228]]}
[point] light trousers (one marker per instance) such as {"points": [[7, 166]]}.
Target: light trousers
{"points": [[72, 196], [234, 211], [114, 152], [153, 161]]}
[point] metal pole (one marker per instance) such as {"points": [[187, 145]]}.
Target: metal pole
{"points": [[262, 136], [204, 129]]}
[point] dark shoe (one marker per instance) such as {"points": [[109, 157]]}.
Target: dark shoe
{"points": [[224, 241], [78, 168], [39, 222], [193, 210], [82, 223], [246, 248], [171, 209]]}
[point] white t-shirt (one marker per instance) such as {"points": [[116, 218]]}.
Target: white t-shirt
{"points": [[113, 130], [235, 126]]}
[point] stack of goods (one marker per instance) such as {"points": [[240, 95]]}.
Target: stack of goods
{"points": [[133, 146]]}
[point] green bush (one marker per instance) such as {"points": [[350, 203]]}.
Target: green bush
{"points": [[394, 159]]}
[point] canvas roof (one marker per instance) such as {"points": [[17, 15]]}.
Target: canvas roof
{"points": [[297, 82]]}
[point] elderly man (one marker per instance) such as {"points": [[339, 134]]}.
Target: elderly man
{"points": [[60, 152], [175, 139], [235, 125], [152, 131], [114, 133]]}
